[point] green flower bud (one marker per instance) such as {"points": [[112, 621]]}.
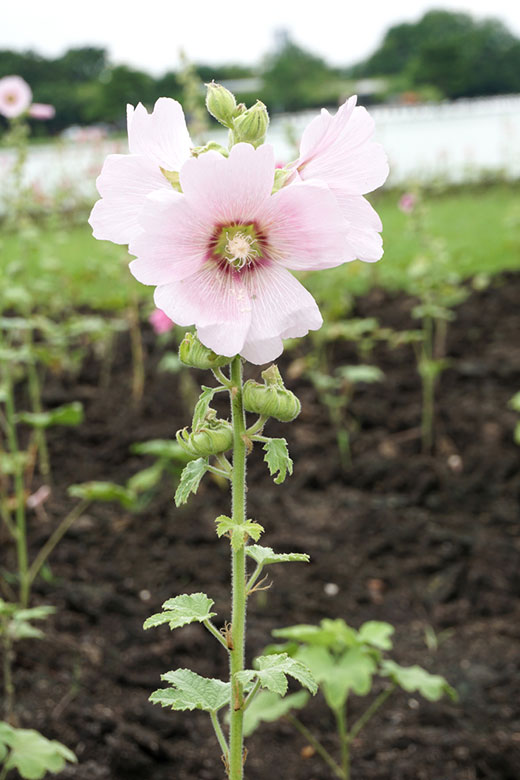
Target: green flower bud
{"points": [[221, 104], [271, 399], [251, 126], [214, 436], [193, 353]]}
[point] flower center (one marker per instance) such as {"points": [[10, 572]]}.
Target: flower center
{"points": [[238, 244]]}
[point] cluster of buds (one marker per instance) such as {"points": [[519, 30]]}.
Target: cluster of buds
{"points": [[271, 399], [247, 125], [211, 438]]}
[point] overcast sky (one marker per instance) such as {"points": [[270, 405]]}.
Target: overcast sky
{"points": [[149, 34]]}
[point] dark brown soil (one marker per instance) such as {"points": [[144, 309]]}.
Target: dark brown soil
{"points": [[428, 543]]}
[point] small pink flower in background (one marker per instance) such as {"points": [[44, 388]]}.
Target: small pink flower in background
{"points": [[157, 140], [37, 499], [42, 111], [160, 322], [219, 252], [339, 151], [15, 96], [407, 202]]}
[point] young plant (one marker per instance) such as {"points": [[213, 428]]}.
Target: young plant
{"points": [[218, 232], [30, 753], [439, 289], [343, 662]]}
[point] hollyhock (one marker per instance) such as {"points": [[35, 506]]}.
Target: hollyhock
{"points": [[15, 96], [339, 151], [407, 202], [160, 322], [42, 111], [220, 250], [157, 142]]}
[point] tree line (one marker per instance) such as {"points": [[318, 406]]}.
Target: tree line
{"points": [[443, 55]]}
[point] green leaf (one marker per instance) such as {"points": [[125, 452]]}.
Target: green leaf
{"points": [[238, 531], [377, 634], [160, 448], [272, 672], [514, 402], [13, 463], [181, 610], [35, 613], [32, 754], [146, 479], [277, 459], [361, 373], [319, 660], [68, 414], [268, 707], [190, 479], [103, 491], [265, 555], [415, 678], [202, 406], [330, 633], [192, 692]]}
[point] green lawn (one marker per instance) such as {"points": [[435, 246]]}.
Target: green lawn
{"points": [[480, 228]]}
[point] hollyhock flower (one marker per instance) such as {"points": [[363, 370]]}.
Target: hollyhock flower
{"points": [[42, 111], [220, 251], [339, 151], [160, 322], [158, 142], [15, 96], [407, 202]]}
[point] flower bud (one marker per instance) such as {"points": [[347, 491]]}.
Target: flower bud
{"points": [[251, 126], [271, 399], [193, 353], [221, 104], [214, 436]]}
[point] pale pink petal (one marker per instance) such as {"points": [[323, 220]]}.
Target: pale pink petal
{"points": [[162, 135], [15, 96], [281, 308], [123, 184], [233, 189], [215, 301], [173, 243], [340, 151], [305, 227], [363, 236], [42, 111]]}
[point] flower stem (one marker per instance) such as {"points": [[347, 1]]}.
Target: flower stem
{"points": [[341, 720], [238, 613]]}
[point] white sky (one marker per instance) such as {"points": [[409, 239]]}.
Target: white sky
{"points": [[149, 34]]}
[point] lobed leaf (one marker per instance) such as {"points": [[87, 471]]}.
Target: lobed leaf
{"points": [[238, 531], [181, 610], [415, 678], [268, 707], [277, 459], [377, 634], [32, 754], [190, 691], [190, 479], [266, 555], [330, 633], [272, 673]]}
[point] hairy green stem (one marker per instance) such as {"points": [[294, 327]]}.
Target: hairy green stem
{"points": [[7, 659], [239, 596], [318, 747], [216, 633], [220, 735], [36, 403]]}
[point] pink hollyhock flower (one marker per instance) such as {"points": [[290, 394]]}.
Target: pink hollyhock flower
{"points": [[220, 250], [407, 202], [159, 140], [42, 111], [160, 322], [339, 151], [15, 96]]}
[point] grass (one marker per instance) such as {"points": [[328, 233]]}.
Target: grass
{"points": [[480, 227]]}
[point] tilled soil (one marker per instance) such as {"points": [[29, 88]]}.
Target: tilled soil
{"points": [[428, 543]]}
